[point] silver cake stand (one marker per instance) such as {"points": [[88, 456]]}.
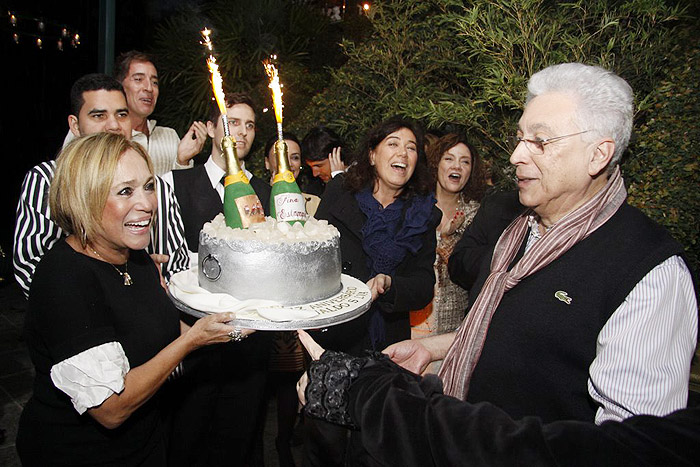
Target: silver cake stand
{"points": [[353, 300]]}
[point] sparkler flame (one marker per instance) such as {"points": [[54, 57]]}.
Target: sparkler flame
{"points": [[207, 41], [217, 84], [276, 88]]}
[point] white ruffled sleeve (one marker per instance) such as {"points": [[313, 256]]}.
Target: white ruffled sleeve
{"points": [[93, 375]]}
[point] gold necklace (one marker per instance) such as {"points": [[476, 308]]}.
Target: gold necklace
{"points": [[125, 275]]}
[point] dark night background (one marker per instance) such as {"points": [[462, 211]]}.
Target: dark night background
{"points": [[36, 82]]}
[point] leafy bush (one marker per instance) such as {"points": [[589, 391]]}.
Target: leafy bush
{"points": [[244, 34], [464, 65], [458, 65], [663, 170]]}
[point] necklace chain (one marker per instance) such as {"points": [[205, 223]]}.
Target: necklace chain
{"points": [[125, 275]]}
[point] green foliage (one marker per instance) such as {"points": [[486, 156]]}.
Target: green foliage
{"points": [[663, 172], [464, 65], [408, 60], [244, 34], [456, 65]]}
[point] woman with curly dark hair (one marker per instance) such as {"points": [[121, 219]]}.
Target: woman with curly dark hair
{"points": [[457, 170], [386, 215]]}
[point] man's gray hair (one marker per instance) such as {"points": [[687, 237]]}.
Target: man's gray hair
{"points": [[605, 102]]}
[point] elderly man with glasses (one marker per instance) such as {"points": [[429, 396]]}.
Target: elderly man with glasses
{"points": [[584, 308], [584, 311]]}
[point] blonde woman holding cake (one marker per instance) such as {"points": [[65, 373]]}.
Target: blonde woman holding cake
{"points": [[102, 334], [456, 166], [386, 215]]}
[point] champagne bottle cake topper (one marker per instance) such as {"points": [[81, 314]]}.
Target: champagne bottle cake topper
{"points": [[286, 201], [242, 206]]}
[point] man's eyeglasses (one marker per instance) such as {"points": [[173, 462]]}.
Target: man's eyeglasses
{"points": [[536, 146]]}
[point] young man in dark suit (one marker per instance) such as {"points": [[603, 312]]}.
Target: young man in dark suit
{"points": [[218, 403], [200, 191]]}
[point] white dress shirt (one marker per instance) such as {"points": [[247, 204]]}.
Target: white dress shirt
{"points": [[161, 145]]}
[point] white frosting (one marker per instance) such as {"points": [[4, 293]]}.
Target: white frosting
{"points": [[272, 231]]}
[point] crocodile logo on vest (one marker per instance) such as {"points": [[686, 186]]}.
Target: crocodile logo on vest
{"points": [[563, 296]]}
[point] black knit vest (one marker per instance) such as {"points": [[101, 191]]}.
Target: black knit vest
{"points": [[200, 203], [542, 338]]}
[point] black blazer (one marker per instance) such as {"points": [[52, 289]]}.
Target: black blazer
{"points": [[262, 189], [470, 254], [411, 285]]}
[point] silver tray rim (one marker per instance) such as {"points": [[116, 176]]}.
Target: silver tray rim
{"points": [[291, 325]]}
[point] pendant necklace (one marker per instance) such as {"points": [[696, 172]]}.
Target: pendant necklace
{"points": [[125, 275]]}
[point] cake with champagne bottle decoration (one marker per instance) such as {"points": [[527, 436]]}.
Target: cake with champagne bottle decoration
{"points": [[291, 264], [276, 273]]}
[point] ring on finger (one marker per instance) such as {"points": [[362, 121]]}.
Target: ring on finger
{"points": [[236, 335]]}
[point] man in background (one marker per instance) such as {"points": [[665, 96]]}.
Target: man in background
{"points": [[321, 152], [139, 76], [200, 191], [137, 73]]}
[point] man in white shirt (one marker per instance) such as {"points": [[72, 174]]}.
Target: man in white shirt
{"points": [[139, 76], [229, 379]]}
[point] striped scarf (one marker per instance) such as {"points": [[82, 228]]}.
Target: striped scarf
{"points": [[466, 348]]}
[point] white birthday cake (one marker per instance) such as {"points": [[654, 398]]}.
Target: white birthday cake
{"points": [[290, 264]]}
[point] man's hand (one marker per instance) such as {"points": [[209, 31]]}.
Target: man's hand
{"points": [[410, 355], [335, 160], [414, 355], [378, 285], [192, 143]]}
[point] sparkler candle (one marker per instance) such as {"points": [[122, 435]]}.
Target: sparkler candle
{"points": [[286, 201], [242, 206]]}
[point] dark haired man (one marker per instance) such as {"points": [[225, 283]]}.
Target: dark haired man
{"points": [[200, 191], [321, 150], [98, 104], [220, 397], [137, 73]]}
